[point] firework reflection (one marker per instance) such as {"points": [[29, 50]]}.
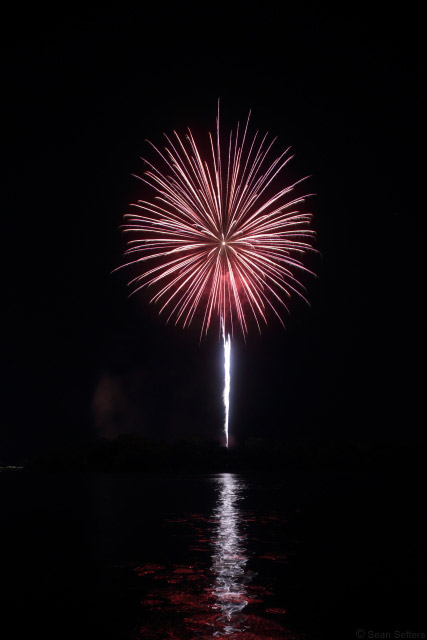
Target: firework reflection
{"points": [[229, 557]]}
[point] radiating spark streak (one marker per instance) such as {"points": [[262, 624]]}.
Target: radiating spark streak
{"points": [[218, 238], [227, 379]]}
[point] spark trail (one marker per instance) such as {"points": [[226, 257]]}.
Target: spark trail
{"points": [[227, 380]]}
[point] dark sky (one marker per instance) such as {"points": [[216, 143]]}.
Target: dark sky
{"points": [[82, 92]]}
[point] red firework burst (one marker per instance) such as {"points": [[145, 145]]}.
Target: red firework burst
{"points": [[217, 237]]}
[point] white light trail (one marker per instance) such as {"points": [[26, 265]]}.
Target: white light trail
{"points": [[229, 558], [226, 394]]}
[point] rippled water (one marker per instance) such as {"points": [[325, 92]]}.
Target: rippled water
{"points": [[134, 557], [216, 595], [229, 557]]}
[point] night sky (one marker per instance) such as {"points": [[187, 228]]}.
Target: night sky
{"points": [[81, 94]]}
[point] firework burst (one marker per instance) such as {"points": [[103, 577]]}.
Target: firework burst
{"points": [[218, 238]]}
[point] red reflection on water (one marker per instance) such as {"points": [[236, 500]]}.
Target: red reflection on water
{"points": [[189, 600], [281, 612], [187, 569], [149, 568], [200, 627], [274, 557], [152, 603], [213, 597]]}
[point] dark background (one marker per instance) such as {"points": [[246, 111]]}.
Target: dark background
{"points": [[81, 93]]}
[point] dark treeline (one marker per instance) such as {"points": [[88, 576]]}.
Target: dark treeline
{"points": [[130, 453]]}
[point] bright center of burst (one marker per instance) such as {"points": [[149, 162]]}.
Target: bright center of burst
{"points": [[223, 243]]}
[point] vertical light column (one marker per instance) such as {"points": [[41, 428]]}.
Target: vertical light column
{"points": [[226, 394]]}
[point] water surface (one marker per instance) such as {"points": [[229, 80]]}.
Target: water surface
{"points": [[213, 556]]}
